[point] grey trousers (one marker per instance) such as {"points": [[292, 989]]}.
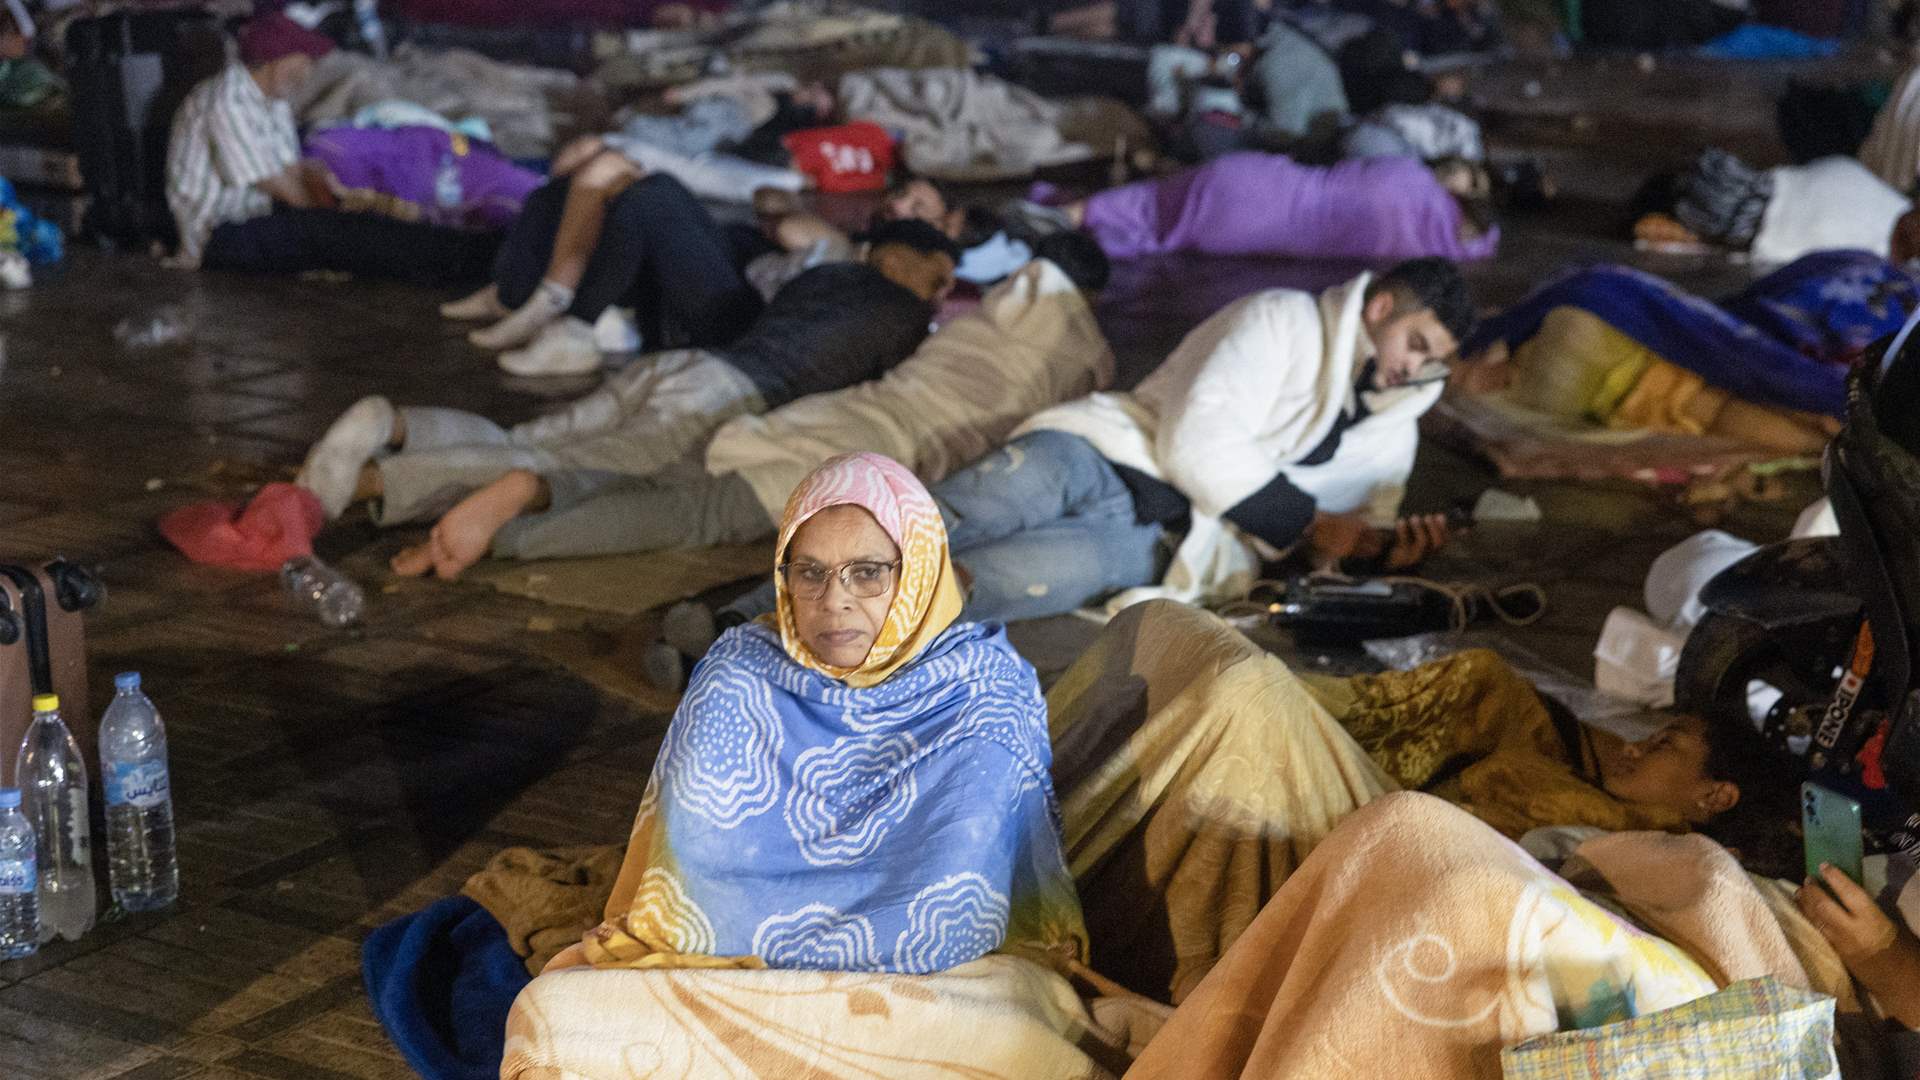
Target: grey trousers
{"points": [[647, 416], [681, 506]]}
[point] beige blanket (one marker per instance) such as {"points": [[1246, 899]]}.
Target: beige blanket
{"points": [[999, 1017], [1032, 343], [1417, 941], [960, 124], [1196, 774], [526, 107]]}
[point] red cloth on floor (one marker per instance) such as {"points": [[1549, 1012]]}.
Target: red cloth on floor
{"points": [[277, 525], [845, 158]]}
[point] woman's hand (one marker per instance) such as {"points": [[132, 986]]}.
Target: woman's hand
{"points": [[1882, 954]]}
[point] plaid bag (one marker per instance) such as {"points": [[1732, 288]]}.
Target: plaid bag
{"points": [[1752, 1030]]}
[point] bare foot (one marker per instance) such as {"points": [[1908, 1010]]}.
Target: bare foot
{"points": [[465, 533], [412, 562]]}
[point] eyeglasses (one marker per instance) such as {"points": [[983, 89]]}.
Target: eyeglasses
{"points": [[865, 580]]}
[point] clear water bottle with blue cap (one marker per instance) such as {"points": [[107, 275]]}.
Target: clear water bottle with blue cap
{"points": [[142, 870], [53, 789], [19, 902]]}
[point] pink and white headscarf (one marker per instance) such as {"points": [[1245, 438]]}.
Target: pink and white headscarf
{"points": [[928, 599]]}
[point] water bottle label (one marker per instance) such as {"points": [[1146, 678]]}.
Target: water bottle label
{"points": [[17, 877], [141, 783]]}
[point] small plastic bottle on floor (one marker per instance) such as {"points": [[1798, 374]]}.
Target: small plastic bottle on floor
{"points": [[141, 864], [53, 788], [323, 590], [19, 904]]}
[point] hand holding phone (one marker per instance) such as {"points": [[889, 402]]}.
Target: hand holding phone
{"points": [[1831, 822]]}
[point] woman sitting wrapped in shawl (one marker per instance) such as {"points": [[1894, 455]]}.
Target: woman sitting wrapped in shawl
{"points": [[1629, 351], [861, 785]]}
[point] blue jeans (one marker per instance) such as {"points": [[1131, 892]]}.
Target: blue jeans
{"points": [[1045, 526]]}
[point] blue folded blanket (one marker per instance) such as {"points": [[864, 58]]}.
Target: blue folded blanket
{"points": [[441, 981]]}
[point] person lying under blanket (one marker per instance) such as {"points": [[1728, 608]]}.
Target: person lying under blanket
{"points": [[1032, 343], [1368, 208], [243, 199], [604, 234], [419, 173], [831, 327], [1627, 350], [1776, 214]]}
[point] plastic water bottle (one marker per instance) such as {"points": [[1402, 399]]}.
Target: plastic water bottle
{"points": [[324, 590], [19, 904], [139, 797], [53, 786], [447, 189]]}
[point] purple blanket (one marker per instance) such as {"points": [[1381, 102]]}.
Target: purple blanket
{"points": [[397, 172], [1375, 209]]}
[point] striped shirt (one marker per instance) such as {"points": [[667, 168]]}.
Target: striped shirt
{"points": [[227, 137]]}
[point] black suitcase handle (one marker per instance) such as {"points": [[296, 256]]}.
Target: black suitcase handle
{"points": [[34, 599]]}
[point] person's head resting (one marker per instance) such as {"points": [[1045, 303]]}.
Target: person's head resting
{"points": [[280, 53], [815, 99], [862, 570], [1416, 316], [915, 256], [1697, 769], [920, 199], [1079, 256], [16, 30]]}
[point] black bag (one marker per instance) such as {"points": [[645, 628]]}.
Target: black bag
{"points": [[129, 72], [43, 650]]}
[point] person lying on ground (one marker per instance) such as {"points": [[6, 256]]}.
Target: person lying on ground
{"points": [[1267, 91], [1415, 941], [1626, 350], [963, 859], [420, 173], [603, 234], [1777, 215], [1032, 343], [831, 327], [1282, 421], [243, 199], [1369, 208], [1197, 771]]}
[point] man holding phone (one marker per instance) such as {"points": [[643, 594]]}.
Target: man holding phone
{"points": [[1285, 422]]}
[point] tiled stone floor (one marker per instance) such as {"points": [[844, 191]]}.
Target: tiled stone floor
{"points": [[327, 781]]}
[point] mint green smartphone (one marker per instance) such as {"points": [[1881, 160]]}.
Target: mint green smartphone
{"points": [[1832, 825]]}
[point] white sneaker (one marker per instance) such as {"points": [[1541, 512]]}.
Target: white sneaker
{"points": [[617, 331], [484, 304], [333, 465], [539, 312], [566, 347]]}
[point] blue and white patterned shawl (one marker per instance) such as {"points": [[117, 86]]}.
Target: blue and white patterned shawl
{"points": [[906, 827]]}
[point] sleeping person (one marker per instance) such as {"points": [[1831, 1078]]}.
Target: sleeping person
{"points": [[1378, 209], [1623, 349]]}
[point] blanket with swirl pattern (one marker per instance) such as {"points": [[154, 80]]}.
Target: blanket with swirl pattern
{"points": [[799, 823]]}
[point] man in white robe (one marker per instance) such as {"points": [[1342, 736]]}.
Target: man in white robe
{"points": [[1284, 420]]}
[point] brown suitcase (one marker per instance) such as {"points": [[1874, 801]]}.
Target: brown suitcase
{"points": [[43, 650]]}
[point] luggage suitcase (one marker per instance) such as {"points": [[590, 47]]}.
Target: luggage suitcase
{"points": [[43, 650], [129, 72]]}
